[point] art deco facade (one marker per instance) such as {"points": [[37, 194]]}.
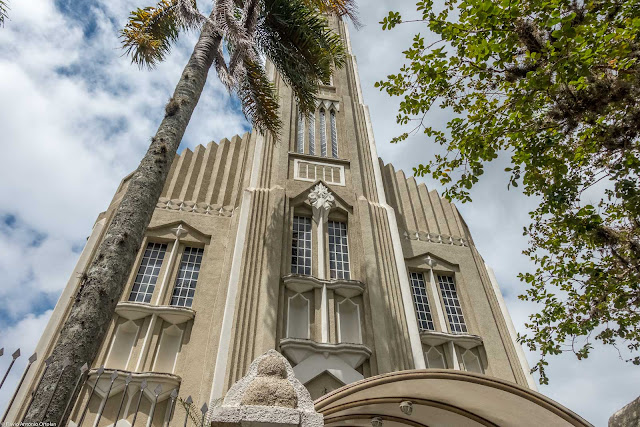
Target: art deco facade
{"points": [[312, 246]]}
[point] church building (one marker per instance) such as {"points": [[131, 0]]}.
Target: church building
{"points": [[367, 282]]}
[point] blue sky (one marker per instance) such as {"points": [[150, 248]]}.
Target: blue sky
{"points": [[76, 117]]}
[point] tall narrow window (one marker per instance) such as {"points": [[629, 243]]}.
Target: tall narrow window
{"points": [[148, 272], [471, 360], [338, 250], [435, 357], [187, 277], [311, 125], [452, 304], [298, 317], [421, 302], [334, 134], [323, 133], [301, 246], [300, 135], [348, 314]]}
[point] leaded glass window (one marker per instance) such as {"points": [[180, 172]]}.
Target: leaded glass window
{"points": [[452, 304], [421, 302], [334, 134], [311, 125], [148, 272], [301, 246], [323, 133], [300, 135], [187, 277], [338, 250]]}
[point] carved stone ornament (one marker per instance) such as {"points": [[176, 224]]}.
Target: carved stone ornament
{"points": [[321, 198], [268, 396]]}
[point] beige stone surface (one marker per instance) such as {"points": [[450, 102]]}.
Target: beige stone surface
{"points": [[236, 199]]}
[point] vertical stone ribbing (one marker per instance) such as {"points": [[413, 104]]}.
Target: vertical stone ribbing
{"points": [[236, 190], [218, 170], [425, 204], [179, 174], [167, 183], [186, 192], [228, 169], [407, 205], [205, 172]]}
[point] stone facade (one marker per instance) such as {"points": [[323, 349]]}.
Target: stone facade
{"points": [[309, 245], [629, 416]]}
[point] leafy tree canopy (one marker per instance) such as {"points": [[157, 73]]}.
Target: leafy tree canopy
{"points": [[555, 85], [293, 34]]}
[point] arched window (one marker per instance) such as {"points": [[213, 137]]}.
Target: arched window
{"points": [[300, 135], [471, 360], [298, 317], [323, 133], [435, 357], [334, 134], [311, 124], [349, 322]]}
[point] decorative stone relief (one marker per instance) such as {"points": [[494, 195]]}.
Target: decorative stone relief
{"points": [[322, 201], [424, 236], [321, 198], [269, 395], [199, 208]]}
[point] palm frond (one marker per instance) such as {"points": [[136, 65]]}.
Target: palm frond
{"points": [[150, 31], [297, 39], [4, 9], [259, 99], [341, 8]]}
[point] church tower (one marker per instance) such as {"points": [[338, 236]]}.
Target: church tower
{"points": [[312, 246]]}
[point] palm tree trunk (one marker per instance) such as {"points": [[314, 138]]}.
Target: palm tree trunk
{"points": [[87, 324]]}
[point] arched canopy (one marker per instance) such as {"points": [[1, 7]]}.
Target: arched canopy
{"points": [[442, 398]]}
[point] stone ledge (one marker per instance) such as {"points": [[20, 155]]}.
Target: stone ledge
{"points": [[467, 341], [137, 310], [345, 288]]}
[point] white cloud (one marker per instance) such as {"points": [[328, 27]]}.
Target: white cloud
{"points": [[594, 388], [76, 117]]}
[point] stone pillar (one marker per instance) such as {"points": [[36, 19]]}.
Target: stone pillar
{"points": [[629, 416], [269, 395]]}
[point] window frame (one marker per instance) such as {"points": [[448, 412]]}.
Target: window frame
{"points": [[445, 306], [162, 271], [430, 316]]}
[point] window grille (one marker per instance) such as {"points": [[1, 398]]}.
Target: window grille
{"points": [[334, 134], [301, 246], [323, 133], [311, 124], [148, 273], [421, 302], [338, 250], [452, 304], [300, 135], [187, 277]]}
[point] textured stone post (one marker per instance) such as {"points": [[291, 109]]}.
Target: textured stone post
{"points": [[269, 395], [629, 416]]}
